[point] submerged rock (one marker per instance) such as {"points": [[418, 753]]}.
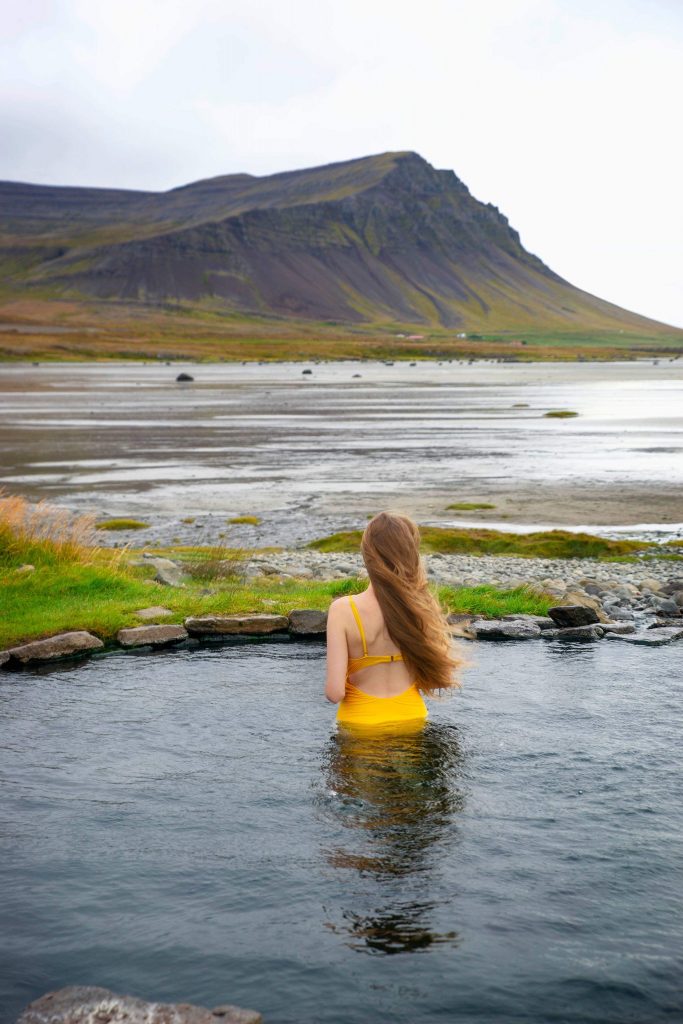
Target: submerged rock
{"points": [[569, 615], [588, 632], [307, 622], [217, 625], [154, 636], [649, 638], [500, 629], [81, 1004], [63, 645], [618, 627], [184, 378]]}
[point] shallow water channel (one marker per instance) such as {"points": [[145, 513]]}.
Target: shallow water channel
{"points": [[187, 826]]}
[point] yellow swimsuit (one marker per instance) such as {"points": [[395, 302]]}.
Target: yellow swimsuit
{"points": [[360, 708]]}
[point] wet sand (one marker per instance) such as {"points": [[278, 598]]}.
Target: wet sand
{"points": [[310, 453]]}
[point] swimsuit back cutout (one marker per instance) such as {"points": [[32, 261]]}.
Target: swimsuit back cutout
{"points": [[361, 708], [367, 659]]}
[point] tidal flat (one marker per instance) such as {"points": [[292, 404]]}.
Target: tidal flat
{"points": [[309, 453]]}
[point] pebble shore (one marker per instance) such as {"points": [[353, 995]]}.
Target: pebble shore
{"points": [[470, 570]]}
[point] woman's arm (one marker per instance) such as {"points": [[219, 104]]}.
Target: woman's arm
{"points": [[337, 654]]}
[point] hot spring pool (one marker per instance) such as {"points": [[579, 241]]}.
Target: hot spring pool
{"points": [[185, 826]]}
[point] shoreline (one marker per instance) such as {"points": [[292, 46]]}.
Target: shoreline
{"points": [[311, 453], [632, 598]]}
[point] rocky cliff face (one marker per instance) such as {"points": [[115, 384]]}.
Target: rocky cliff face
{"points": [[386, 238]]}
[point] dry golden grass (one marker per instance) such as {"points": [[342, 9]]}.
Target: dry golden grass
{"points": [[42, 533]]}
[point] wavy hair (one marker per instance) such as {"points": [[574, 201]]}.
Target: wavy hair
{"points": [[414, 618]]}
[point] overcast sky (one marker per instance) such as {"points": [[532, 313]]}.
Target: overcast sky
{"points": [[564, 113]]}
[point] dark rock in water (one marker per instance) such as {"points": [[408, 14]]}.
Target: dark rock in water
{"points": [[64, 645], [566, 616], [154, 636], [498, 629], [184, 378], [4, 657], [589, 632], [307, 622], [218, 625], [307, 371], [80, 1004], [357, 375]]}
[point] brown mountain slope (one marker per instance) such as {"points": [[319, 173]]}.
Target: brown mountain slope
{"points": [[381, 239]]}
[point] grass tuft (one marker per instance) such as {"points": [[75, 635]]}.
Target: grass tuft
{"points": [[121, 524], [560, 414], [247, 520], [493, 602], [468, 506], [543, 544]]}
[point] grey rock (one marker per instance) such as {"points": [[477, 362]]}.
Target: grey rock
{"points": [[184, 377], [665, 604], [167, 572], [622, 614], [154, 636], [569, 615], [670, 587], [307, 622], [542, 621], [4, 657], [268, 569], [155, 612], [588, 632], [63, 645], [618, 627], [500, 629], [218, 625], [650, 637], [300, 571], [80, 1004]]}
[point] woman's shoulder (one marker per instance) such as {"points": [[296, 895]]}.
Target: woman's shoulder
{"points": [[342, 605]]}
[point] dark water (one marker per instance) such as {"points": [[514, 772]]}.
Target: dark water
{"points": [[187, 827]]}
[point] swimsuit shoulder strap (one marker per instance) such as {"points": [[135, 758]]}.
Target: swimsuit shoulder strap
{"points": [[360, 625]]}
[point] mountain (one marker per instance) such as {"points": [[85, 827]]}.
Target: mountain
{"points": [[381, 239]]}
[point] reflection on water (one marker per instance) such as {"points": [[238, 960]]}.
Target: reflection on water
{"points": [[395, 794]]}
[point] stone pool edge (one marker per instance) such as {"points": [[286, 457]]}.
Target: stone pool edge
{"points": [[564, 622]]}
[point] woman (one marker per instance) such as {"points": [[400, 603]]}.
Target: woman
{"points": [[391, 644]]}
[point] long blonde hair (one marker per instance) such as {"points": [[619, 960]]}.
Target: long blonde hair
{"points": [[413, 616]]}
